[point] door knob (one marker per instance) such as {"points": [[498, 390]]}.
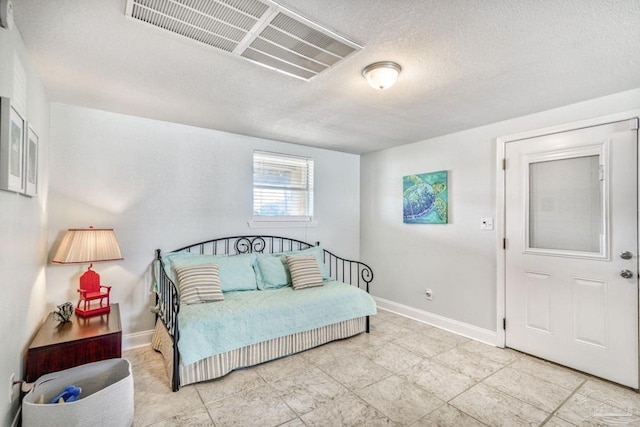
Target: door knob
{"points": [[626, 255], [627, 274]]}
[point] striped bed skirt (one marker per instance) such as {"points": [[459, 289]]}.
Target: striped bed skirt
{"points": [[221, 364]]}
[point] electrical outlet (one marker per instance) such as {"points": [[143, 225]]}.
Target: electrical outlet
{"points": [[12, 380], [428, 294]]}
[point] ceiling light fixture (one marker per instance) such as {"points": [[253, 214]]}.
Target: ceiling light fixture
{"points": [[381, 75]]}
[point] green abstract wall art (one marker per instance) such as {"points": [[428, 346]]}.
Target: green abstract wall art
{"points": [[425, 198]]}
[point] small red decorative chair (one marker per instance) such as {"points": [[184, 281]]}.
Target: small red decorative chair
{"points": [[91, 290]]}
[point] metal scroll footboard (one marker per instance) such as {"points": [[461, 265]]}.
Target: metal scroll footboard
{"points": [[352, 272]]}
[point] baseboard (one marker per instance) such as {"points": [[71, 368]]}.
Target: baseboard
{"points": [[141, 339], [470, 331], [136, 339]]}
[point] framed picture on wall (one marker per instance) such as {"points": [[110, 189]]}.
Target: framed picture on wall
{"points": [[425, 198], [12, 142], [32, 143]]}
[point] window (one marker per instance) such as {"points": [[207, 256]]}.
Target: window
{"points": [[282, 187]]}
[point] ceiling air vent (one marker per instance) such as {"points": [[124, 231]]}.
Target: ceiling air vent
{"points": [[259, 31]]}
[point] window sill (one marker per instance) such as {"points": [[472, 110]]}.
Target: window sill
{"points": [[282, 224]]}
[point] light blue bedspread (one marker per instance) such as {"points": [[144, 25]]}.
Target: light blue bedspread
{"points": [[250, 317]]}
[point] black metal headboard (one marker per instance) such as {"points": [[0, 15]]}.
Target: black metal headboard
{"points": [[355, 273]]}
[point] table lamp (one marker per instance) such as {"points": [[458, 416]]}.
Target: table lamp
{"points": [[89, 245]]}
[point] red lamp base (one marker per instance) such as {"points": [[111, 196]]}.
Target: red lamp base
{"points": [[93, 311], [92, 293]]}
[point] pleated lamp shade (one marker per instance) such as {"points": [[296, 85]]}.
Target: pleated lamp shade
{"points": [[82, 245]]}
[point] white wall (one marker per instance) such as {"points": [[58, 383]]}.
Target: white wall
{"points": [[457, 260], [23, 235], [164, 185]]}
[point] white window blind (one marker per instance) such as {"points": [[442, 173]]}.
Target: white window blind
{"points": [[282, 187]]}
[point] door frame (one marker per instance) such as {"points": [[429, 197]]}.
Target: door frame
{"points": [[501, 143]]}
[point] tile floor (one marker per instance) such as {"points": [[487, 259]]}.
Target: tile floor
{"points": [[403, 373]]}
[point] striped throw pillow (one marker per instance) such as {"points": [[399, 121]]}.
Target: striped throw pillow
{"points": [[304, 271], [199, 283]]}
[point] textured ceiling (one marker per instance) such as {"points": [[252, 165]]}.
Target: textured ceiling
{"points": [[464, 64]]}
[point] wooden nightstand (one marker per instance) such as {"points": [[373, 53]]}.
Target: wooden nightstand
{"points": [[83, 340]]}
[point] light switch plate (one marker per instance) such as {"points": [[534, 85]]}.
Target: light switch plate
{"points": [[486, 223]]}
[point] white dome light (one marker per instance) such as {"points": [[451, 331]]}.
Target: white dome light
{"points": [[381, 75]]}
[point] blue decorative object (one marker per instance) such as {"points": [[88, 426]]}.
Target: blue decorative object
{"points": [[71, 393]]}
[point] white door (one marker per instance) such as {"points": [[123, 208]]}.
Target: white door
{"points": [[571, 227]]}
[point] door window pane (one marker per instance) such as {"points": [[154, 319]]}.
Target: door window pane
{"points": [[565, 204]]}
